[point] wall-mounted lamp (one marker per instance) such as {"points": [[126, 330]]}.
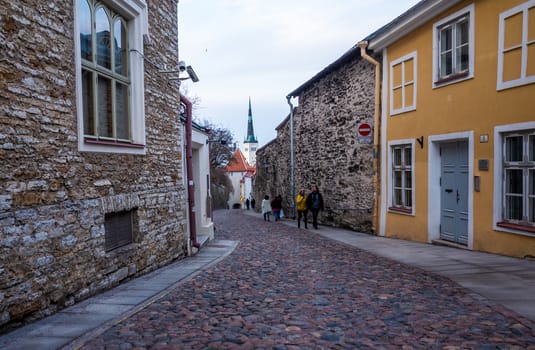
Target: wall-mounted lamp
{"points": [[421, 141]]}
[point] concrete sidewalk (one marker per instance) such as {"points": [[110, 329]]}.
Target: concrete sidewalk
{"points": [[500, 279], [72, 327]]}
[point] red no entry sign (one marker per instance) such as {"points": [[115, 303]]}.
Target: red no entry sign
{"points": [[364, 129]]}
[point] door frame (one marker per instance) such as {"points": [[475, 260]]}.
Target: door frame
{"points": [[433, 188]]}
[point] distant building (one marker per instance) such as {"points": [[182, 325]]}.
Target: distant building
{"points": [[327, 149], [240, 173], [250, 144]]}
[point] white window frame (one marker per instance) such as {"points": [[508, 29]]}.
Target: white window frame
{"points": [[402, 61], [391, 207], [499, 179], [135, 13], [524, 78], [437, 81]]}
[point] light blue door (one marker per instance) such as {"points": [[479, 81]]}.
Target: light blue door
{"points": [[454, 192]]}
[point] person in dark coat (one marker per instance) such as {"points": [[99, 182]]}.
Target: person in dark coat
{"points": [[276, 207], [315, 204]]}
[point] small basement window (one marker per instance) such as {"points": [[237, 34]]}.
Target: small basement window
{"points": [[119, 229]]}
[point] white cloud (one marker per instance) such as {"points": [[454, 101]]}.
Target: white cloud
{"points": [[266, 49]]}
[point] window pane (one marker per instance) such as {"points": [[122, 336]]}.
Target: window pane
{"points": [[120, 47], [408, 179], [121, 111], [103, 38], [462, 33], [513, 148], [397, 178], [105, 117], [445, 39], [512, 64], [409, 96], [408, 66], [532, 182], [462, 59], [446, 63], [513, 30], [87, 102], [513, 207], [531, 210], [84, 23], [532, 148], [531, 201], [397, 197], [513, 181], [397, 156], [531, 24], [408, 156], [397, 78], [408, 198]]}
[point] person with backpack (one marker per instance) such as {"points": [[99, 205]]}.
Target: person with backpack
{"points": [[315, 204]]}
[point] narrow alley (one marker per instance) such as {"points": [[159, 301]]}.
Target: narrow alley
{"points": [[285, 288]]}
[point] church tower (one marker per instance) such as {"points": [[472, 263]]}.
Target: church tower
{"points": [[251, 143]]}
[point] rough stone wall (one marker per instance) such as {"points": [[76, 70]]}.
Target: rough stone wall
{"points": [[327, 151], [273, 170], [53, 198]]}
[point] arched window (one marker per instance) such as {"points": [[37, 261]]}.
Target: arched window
{"points": [[106, 81]]}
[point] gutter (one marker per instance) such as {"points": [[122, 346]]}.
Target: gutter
{"points": [[189, 174], [376, 127], [292, 162]]}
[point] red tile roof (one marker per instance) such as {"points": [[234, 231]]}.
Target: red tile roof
{"points": [[238, 163]]}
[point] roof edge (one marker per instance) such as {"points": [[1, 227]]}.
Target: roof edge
{"points": [[407, 22]]}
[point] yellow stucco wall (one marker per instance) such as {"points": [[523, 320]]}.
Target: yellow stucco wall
{"points": [[471, 105]]}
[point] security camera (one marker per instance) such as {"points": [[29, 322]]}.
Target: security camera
{"points": [[182, 66], [192, 74]]}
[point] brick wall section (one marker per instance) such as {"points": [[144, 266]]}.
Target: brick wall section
{"points": [[327, 151], [53, 198]]}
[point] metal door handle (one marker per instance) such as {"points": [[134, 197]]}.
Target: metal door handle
{"points": [[449, 190]]}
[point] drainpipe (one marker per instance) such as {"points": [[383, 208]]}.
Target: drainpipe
{"points": [[189, 175], [292, 166], [376, 127]]}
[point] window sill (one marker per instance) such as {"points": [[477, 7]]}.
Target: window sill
{"points": [[528, 229], [407, 211], [113, 143], [453, 78]]}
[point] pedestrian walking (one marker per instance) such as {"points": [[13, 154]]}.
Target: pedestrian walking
{"points": [[266, 208], [247, 203], [253, 202], [315, 204], [276, 207], [302, 210]]}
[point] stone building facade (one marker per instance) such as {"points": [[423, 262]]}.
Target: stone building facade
{"points": [[64, 196], [327, 151]]}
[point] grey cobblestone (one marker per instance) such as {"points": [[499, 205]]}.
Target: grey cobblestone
{"points": [[284, 288]]}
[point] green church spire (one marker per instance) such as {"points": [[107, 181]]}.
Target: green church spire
{"points": [[250, 138]]}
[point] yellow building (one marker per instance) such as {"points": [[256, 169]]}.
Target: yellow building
{"points": [[458, 125]]}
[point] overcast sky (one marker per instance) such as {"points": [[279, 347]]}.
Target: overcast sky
{"points": [[265, 50]]}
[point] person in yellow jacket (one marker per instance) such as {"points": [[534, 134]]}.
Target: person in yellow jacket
{"points": [[302, 209]]}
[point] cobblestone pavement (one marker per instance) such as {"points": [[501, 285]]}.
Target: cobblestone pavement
{"points": [[284, 288]]}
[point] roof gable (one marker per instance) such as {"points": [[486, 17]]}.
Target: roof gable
{"points": [[238, 163]]}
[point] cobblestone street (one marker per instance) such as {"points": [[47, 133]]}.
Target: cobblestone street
{"points": [[285, 288]]}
